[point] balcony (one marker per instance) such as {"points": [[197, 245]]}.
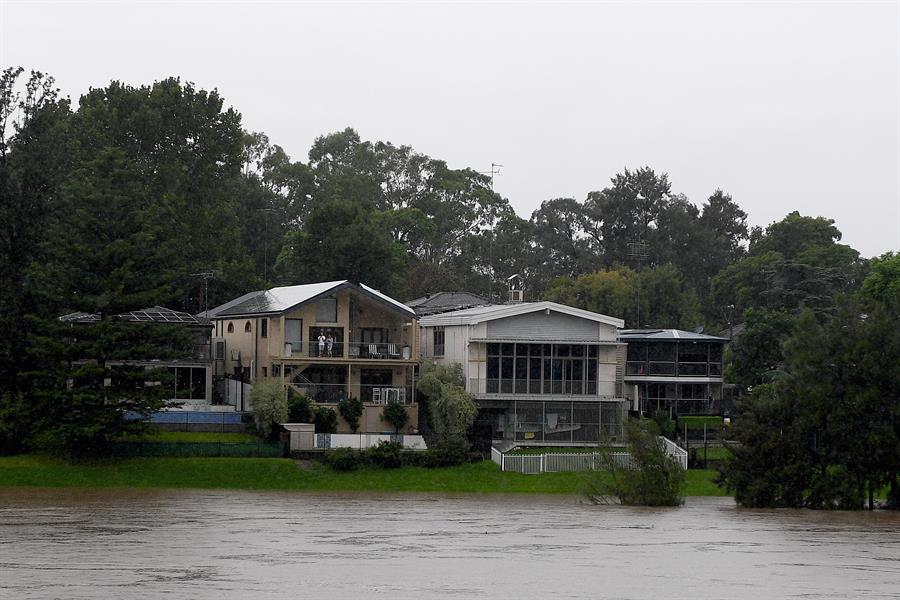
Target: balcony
{"points": [[673, 369]]}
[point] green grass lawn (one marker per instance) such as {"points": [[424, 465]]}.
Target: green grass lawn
{"points": [[283, 474], [193, 436], [717, 453]]}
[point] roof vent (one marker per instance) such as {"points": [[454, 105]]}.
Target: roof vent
{"points": [[516, 291]]}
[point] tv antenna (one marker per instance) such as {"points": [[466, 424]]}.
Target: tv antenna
{"points": [[495, 170], [638, 251], [205, 276]]}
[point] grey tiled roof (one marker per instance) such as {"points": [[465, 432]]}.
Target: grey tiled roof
{"points": [[444, 302]]}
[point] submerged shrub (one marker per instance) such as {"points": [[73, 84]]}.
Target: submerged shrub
{"points": [[650, 478]]}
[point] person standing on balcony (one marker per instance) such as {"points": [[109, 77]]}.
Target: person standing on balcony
{"points": [[321, 340], [329, 342]]}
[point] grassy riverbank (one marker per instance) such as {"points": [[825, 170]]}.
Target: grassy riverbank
{"points": [[284, 474]]}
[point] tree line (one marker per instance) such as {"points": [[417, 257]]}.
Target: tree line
{"points": [[120, 201]]}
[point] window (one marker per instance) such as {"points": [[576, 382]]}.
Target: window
{"points": [[231, 328], [276, 371], [265, 372], [438, 341], [326, 310], [188, 383], [264, 328], [247, 327], [293, 333], [220, 350]]}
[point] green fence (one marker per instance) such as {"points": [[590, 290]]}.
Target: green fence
{"points": [[194, 449]]}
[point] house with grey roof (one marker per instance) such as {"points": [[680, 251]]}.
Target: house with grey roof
{"points": [[542, 373], [328, 340], [673, 370]]}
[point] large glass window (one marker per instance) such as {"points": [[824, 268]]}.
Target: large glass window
{"points": [[541, 369], [438, 341]]}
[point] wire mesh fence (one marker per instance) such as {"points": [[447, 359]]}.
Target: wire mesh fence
{"points": [[200, 449]]}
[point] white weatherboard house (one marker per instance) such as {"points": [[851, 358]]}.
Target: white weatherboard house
{"points": [[542, 373]]}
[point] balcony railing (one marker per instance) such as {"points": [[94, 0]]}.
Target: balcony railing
{"points": [[387, 351], [672, 369], [332, 393]]}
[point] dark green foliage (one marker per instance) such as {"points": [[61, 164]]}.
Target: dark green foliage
{"points": [[451, 409], [299, 408], [387, 455], [342, 239], [325, 419], [17, 423], [665, 424], [343, 459], [653, 478], [825, 434], [448, 453], [395, 414], [351, 409]]}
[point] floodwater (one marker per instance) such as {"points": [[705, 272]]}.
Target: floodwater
{"points": [[227, 544]]}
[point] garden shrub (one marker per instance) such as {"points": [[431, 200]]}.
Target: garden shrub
{"points": [[343, 459], [299, 408], [448, 453], [351, 409], [326, 420], [385, 454]]}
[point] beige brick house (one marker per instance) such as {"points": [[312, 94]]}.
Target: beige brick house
{"points": [[327, 340]]}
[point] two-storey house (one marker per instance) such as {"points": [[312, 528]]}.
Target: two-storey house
{"points": [[542, 373], [329, 341], [673, 370]]}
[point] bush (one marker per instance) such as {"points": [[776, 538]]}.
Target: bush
{"points": [[269, 403], [448, 453], [385, 454], [395, 414], [299, 408], [653, 478], [351, 409], [326, 420], [343, 459], [664, 423]]}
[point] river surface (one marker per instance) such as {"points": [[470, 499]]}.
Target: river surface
{"points": [[228, 544]]}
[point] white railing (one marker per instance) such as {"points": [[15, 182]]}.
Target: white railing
{"points": [[675, 451], [561, 462]]}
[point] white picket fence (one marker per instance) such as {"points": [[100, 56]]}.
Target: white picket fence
{"points": [[559, 462]]}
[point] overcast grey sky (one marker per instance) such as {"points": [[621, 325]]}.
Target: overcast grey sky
{"points": [[786, 106]]}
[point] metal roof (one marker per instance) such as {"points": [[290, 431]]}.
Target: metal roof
{"points": [[491, 312], [282, 299], [161, 314], [440, 302], [666, 335], [80, 317], [155, 314]]}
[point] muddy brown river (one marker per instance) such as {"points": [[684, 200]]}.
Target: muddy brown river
{"points": [[225, 544]]}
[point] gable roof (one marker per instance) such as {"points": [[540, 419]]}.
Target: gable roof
{"points": [[666, 335], [491, 312], [282, 299], [440, 302]]}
